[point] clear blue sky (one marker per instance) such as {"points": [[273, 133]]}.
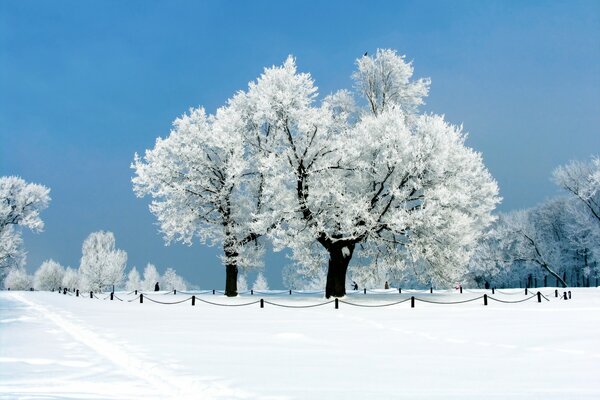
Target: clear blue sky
{"points": [[85, 84]]}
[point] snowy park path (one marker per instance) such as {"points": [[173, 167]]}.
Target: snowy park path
{"points": [[69, 360], [112, 349]]}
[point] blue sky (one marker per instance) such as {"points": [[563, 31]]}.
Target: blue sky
{"points": [[85, 84]]}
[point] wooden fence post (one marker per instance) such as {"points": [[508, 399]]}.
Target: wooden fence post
{"points": [[91, 295], [569, 295], [485, 299], [112, 295], [412, 301], [77, 293], [431, 290], [193, 300], [365, 289], [262, 303], [565, 294], [337, 304], [493, 290], [539, 296], [174, 291], [555, 292], [141, 298]]}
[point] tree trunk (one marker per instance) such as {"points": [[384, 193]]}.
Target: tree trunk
{"points": [[554, 274], [231, 273], [340, 255]]}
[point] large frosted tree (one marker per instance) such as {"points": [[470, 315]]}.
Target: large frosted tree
{"points": [[401, 187], [203, 186], [20, 206]]}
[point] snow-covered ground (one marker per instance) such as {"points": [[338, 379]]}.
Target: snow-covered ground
{"points": [[61, 346]]}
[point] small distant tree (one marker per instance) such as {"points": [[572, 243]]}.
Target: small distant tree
{"points": [[20, 206], [260, 283], [242, 282], [18, 279], [134, 282], [151, 276], [49, 276], [172, 281], [102, 264], [70, 278]]}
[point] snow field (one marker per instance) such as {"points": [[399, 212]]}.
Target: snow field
{"points": [[57, 346]]}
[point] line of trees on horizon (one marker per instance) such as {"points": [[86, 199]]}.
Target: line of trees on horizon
{"points": [[359, 186]]}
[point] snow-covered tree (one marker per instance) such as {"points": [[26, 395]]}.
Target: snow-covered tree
{"points": [[260, 283], [70, 278], [401, 186], [582, 180], [242, 282], [102, 264], [20, 206], [49, 276], [18, 279], [151, 276], [12, 254], [172, 281], [134, 281], [203, 186]]}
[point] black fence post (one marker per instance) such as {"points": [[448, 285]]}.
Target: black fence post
{"points": [[555, 292], [431, 290], [525, 291], [412, 301], [539, 296], [111, 295], [485, 299], [400, 290], [290, 292], [569, 295], [141, 298], [77, 293], [493, 291], [136, 292], [262, 303], [365, 289], [91, 295], [337, 304], [565, 294], [174, 291], [65, 291], [252, 291], [193, 300], [460, 287], [213, 291]]}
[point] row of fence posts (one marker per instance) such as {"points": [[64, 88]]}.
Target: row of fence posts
{"points": [[566, 296]]}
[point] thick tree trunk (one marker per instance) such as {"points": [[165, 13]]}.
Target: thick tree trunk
{"points": [[340, 255], [231, 273]]}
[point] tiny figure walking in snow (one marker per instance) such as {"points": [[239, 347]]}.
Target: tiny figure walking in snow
{"points": [[156, 288], [386, 285], [354, 285]]}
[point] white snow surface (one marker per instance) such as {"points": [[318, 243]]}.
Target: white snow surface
{"points": [[55, 346]]}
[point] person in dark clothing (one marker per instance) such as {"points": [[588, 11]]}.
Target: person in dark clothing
{"points": [[156, 288], [354, 285], [487, 285], [387, 286]]}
